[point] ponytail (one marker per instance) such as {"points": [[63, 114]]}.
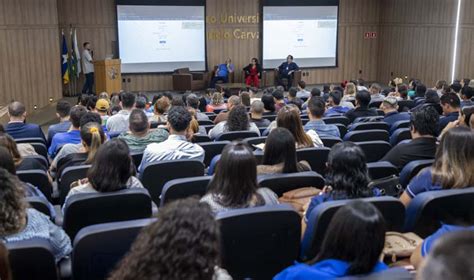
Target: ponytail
{"points": [[93, 136]]}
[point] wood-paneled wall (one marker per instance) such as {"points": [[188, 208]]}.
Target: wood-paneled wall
{"points": [[29, 52], [416, 40]]}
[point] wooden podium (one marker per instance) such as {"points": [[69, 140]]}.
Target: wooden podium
{"points": [[108, 76]]}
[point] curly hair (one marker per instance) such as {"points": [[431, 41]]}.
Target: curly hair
{"points": [[179, 118], [12, 204], [182, 244], [238, 119]]}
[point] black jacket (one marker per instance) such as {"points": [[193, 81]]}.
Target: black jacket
{"points": [[249, 67]]}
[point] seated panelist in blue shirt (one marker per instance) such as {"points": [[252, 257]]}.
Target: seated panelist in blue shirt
{"points": [[286, 70], [222, 73]]}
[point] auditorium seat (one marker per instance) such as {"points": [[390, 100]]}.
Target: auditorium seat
{"points": [[32, 259], [369, 126], [200, 138], [400, 124], [183, 188], [154, 124], [369, 119], [213, 164], [98, 248], [375, 104], [270, 117], [391, 208], [40, 149], [137, 159], [255, 141], [40, 204], [113, 135], [411, 170], [205, 122], [259, 242], [335, 120], [211, 149], [399, 135], [316, 157], [30, 140], [281, 183], [39, 158], [374, 150], [207, 127], [342, 129], [236, 135], [381, 169], [85, 209], [367, 135], [426, 210], [330, 141], [155, 175], [405, 105], [70, 175], [38, 178]]}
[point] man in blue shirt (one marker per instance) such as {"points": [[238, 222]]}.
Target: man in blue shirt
{"points": [[451, 105], [63, 108], [285, 71], [222, 73], [335, 109], [316, 108], [390, 108], [73, 136], [17, 127]]}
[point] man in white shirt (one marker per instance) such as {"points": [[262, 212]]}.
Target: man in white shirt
{"points": [[302, 92], [177, 145], [118, 123], [88, 68]]}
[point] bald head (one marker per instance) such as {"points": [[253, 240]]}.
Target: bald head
{"points": [[16, 110]]}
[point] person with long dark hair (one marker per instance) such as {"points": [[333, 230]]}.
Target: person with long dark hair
{"points": [[253, 72], [352, 245], [235, 182], [182, 244], [347, 176], [238, 120], [280, 154]]}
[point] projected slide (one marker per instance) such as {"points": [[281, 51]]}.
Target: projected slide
{"points": [[307, 33], [161, 38]]}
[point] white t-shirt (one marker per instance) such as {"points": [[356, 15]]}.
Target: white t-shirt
{"points": [[87, 59]]}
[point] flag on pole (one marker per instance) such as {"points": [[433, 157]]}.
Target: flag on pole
{"points": [[75, 56], [64, 61]]}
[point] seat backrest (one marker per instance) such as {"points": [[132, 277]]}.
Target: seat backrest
{"points": [[137, 159], [369, 126], [375, 104], [98, 248], [39, 158], [40, 149], [156, 175], [405, 105], [206, 122], [400, 124], [335, 120], [37, 178], [342, 129], [40, 204], [32, 259], [199, 138], [391, 208], [183, 188], [330, 141], [396, 273], [381, 169], [374, 150], [367, 135], [236, 135], [411, 170], [211, 149], [281, 183], [369, 119], [255, 141], [69, 175], [259, 242], [87, 209], [316, 157], [30, 140], [269, 117], [399, 135], [425, 212]]}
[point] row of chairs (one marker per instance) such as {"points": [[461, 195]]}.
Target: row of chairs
{"points": [[272, 244]]}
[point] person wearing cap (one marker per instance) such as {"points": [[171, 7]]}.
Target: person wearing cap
{"points": [[389, 107], [102, 108]]}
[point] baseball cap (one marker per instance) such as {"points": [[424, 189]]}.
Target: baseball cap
{"points": [[102, 105], [391, 100]]}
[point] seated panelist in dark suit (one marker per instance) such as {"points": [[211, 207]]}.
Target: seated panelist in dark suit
{"points": [[286, 70]]}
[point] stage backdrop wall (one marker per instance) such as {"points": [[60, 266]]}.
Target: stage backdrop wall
{"points": [[29, 52]]}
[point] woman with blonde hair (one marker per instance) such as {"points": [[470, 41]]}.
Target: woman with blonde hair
{"points": [[350, 92], [289, 117], [217, 103]]}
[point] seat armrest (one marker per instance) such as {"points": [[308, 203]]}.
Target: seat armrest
{"points": [[65, 268]]}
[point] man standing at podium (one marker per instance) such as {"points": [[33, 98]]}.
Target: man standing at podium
{"points": [[88, 68]]}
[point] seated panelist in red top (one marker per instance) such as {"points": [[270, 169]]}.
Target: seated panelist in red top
{"points": [[253, 72]]}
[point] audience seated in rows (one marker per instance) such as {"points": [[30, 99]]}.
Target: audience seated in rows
{"points": [[217, 103], [234, 184], [389, 107], [431, 99], [63, 109], [234, 100], [334, 107], [293, 99], [21, 163], [423, 128], [118, 123], [182, 244], [177, 145], [237, 120], [315, 92], [73, 135], [139, 135], [280, 154], [192, 101], [17, 126], [352, 245], [347, 177], [256, 114], [316, 109], [375, 93], [111, 170], [362, 109], [17, 222]]}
